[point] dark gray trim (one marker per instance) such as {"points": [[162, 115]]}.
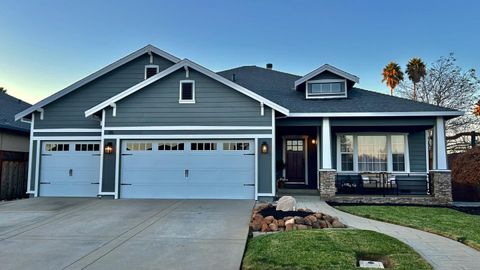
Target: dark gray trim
{"points": [[65, 134], [184, 132]]}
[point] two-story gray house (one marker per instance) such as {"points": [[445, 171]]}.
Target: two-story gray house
{"points": [[151, 125]]}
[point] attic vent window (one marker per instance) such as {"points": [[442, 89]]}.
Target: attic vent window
{"points": [[150, 70], [326, 89], [187, 91]]}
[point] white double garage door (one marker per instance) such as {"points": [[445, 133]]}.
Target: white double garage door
{"points": [[221, 169]]}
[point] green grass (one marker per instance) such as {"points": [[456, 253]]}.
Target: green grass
{"points": [[328, 249], [443, 221]]}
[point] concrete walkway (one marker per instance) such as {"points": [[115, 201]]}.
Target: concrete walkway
{"points": [[440, 252], [80, 233]]}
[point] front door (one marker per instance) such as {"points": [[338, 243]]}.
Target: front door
{"points": [[295, 161]]}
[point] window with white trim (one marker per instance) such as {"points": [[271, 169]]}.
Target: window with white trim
{"points": [[372, 152], [346, 152], [203, 146], [233, 146], [84, 147], [326, 88], [57, 147], [171, 146], [398, 153], [150, 70], [187, 91], [139, 146]]}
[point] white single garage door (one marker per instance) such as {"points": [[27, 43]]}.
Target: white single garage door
{"points": [[70, 169], [219, 169]]}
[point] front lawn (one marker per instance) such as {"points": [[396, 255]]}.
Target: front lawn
{"points": [[328, 249], [443, 221]]}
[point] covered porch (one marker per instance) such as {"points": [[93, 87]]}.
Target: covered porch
{"points": [[363, 159]]}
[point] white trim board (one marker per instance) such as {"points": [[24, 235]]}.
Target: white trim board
{"points": [[182, 64], [378, 114], [192, 128], [324, 68], [93, 76]]}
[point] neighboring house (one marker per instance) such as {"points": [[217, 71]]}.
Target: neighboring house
{"points": [[14, 146], [154, 126]]}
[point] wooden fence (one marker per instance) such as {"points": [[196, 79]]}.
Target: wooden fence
{"points": [[13, 180]]}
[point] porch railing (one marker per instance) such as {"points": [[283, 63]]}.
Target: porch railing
{"points": [[382, 183]]}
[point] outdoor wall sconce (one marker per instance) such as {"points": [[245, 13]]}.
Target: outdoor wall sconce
{"points": [[109, 148], [314, 141], [264, 148]]}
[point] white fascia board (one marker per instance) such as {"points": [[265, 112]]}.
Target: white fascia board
{"points": [[324, 68], [182, 64], [93, 76], [379, 114]]}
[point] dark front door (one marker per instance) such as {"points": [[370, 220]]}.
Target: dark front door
{"points": [[295, 161]]}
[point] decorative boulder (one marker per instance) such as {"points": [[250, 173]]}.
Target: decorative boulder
{"points": [[286, 203], [299, 220], [338, 224]]}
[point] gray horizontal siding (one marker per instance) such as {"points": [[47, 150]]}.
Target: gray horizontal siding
{"points": [[417, 151], [185, 132], [327, 75], [69, 111], [216, 105], [264, 167]]}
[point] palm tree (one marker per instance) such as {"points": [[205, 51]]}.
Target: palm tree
{"points": [[476, 109], [416, 70], [392, 75]]}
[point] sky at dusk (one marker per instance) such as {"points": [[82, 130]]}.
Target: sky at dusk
{"points": [[47, 45]]}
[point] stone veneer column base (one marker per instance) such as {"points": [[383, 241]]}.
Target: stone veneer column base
{"points": [[327, 183], [441, 184]]}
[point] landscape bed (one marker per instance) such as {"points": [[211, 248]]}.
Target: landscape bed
{"points": [[331, 249], [448, 222]]}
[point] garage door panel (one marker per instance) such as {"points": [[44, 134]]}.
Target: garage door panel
{"points": [[70, 169], [201, 169]]}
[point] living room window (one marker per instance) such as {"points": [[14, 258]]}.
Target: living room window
{"points": [[187, 91], [372, 153], [326, 88]]}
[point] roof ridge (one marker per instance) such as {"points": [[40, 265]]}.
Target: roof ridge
{"points": [[263, 68]]}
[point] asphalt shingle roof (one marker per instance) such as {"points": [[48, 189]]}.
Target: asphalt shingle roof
{"points": [[9, 106], [279, 88]]}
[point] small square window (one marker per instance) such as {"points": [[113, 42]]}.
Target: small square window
{"points": [[150, 71], [187, 92]]}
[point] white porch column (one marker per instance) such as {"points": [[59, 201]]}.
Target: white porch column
{"points": [[440, 148], [326, 144]]}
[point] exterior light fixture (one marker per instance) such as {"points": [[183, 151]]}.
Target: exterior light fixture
{"points": [[108, 148], [314, 141], [264, 148]]}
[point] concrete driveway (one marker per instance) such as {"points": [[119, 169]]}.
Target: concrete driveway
{"points": [[77, 233]]}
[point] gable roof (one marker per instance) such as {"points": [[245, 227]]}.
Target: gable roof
{"points": [[324, 68], [277, 87], [147, 49], [184, 64], [9, 106]]}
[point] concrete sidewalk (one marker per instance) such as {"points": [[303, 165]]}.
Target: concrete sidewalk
{"points": [[442, 253], [75, 233]]}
